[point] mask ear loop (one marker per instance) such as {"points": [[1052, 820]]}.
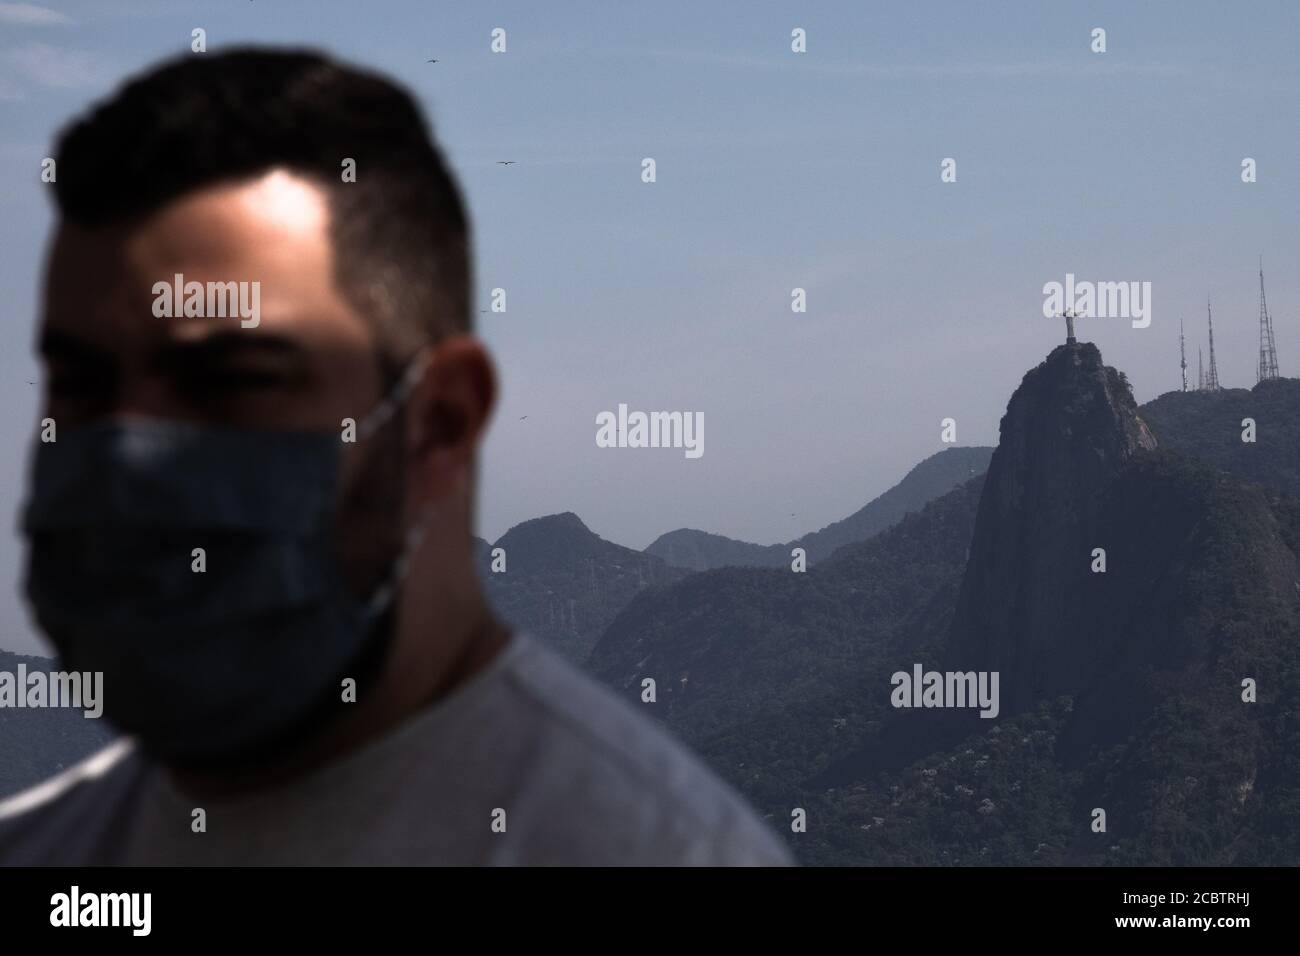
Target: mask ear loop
{"points": [[414, 537], [374, 420], [379, 416]]}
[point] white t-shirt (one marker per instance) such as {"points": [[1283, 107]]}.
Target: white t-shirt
{"points": [[527, 763]]}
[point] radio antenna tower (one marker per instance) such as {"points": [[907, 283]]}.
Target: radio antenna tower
{"points": [[1212, 379], [1200, 369], [1182, 353], [1267, 347]]}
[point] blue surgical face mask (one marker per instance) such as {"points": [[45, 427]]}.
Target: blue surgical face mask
{"points": [[201, 665]]}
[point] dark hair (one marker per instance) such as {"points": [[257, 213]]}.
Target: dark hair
{"points": [[400, 233]]}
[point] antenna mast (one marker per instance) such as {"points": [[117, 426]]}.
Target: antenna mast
{"points": [[1212, 379], [1200, 369], [1182, 353], [1267, 348]]}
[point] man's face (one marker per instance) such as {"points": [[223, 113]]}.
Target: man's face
{"points": [[309, 362]]}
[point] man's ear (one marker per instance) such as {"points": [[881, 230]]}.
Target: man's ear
{"points": [[447, 416]]}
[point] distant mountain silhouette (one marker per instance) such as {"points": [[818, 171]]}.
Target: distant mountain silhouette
{"points": [[935, 476], [563, 582], [1119, 690], [37, 743], [769, 673], [567, 584], [704, 551]]}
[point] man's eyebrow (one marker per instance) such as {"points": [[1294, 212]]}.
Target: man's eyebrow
{"points": [[232, 344]]}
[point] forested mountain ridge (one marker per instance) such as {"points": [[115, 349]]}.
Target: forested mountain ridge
{"points": [[771, 674], [38, 743], [1208, 426], [933, 477], [564, 583]]}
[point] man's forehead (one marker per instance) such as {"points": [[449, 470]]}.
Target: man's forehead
{"points": [[277, 215], [272, 229], [277, 205]]}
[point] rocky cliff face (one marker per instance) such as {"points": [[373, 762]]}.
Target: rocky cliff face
{"points": [[1070, 429], [1191, 555], [1161, 690]]}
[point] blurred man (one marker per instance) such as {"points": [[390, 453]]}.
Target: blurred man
{"points": [[254, 517]]}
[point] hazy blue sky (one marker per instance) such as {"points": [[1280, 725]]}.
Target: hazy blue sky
{"points": [[775, 170]]}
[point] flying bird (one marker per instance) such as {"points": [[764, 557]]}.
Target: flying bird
{"points": [[522, 417], [430, 61], [505, 162]]}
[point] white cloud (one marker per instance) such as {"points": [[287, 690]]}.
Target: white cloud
{"points": [[55, 68], [29, 14]]}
